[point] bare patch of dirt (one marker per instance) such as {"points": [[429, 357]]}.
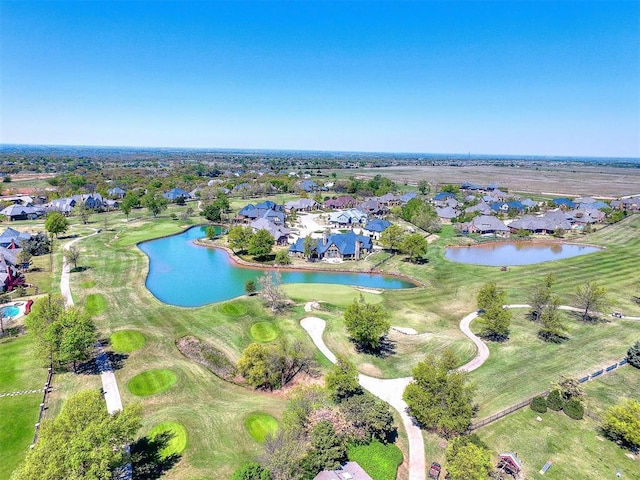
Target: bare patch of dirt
{"points": [[371, 370]]}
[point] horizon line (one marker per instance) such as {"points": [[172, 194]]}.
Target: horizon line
{"points": [[255, 149]]}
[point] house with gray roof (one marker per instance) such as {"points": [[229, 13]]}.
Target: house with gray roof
{"points": [[19, 212], [447, 213], [349, 218], [175, 193], [342, 246], [344, 201], [279, 233], [348, 471], [116, 192], [483, 207], [487, 225], [301, 205], [12, 239], [548, 223]]}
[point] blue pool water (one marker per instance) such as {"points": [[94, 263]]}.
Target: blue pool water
{"points": [[9, 311], [516, 253], [188, 275]]}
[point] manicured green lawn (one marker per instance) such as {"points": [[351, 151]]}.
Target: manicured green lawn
{"points": [[127, 341], [260, 425], [178, 436], [577, 448], [380, 461], [95, 304], [233, 309], [152, 382], [19, 371], [264, 332]]}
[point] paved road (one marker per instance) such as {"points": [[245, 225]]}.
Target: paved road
{"points": [[109, 383]]}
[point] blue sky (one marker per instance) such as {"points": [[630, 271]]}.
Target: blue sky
{"points": [[504, 77]]}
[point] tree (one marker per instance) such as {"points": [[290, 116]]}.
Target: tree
{"points": [[468, 461], [83, 441], [414, 246], [155, 203], [633, 354], [439, 397], [210, 232], [569, 388], [73, 255], [212, 212], [270, 290], [79, 336], [260, 244], [622, 423], [590, 298], [366, 323], [370, 416], [423, 187], [43, 323], [38, 244], [250, 287], [24, 258], [342, 379], [327, 451], [251, 471], [392, 238], [238, 238], [129, 202], [495, 322], [540, 296], [309, 245], [283, 258], [83, 213], [489, 295], [551, 327], [284, 453], [56, 223]]}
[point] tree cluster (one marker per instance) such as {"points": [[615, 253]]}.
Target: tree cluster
{"points": [[367, 324], [622, 423], [494, 319], [545, 309], [420, 213], [439, 397], [62, 335], [413, 245], [468, 458], [242, 239], [83, 441], [273, 366], [38, 244]]}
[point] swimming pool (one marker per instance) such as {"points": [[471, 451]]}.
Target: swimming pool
{"points": [[9, 311]]}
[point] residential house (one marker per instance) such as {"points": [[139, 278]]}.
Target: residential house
{"points": [[375, 227], [348, 471], [18, 212], [564, 203], [483, 207], [175, 193], [583, 216], [630, 204], [342, 246], [373, 207], [10, 277], [446, 214], [279, 233], [116, 192], [308, 186], [404, 198], [486, 225], [12, 239], [348, 218], [344, 201], [301, 205], [548, 223], [506, 207], [442, 196]]}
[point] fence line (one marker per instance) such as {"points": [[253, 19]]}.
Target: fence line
{"points": [[524, 403], [43, 405]]}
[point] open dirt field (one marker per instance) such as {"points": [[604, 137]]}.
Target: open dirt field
{"points": [[561, 180]]}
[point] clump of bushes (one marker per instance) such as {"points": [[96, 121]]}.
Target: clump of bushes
{"points": [[205, 354], [539, 404], [574, 409], [633, 354], [554, 400]]}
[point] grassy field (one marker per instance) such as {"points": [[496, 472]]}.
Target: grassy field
{"points": [[577, 448], [213, 411], [19, 371], [178, 436]]}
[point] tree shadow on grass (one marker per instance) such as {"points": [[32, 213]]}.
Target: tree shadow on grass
{"points": [[385, 349], [79, 269], [590, 320], [147, 460]]}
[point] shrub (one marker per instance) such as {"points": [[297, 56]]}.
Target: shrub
{"points": [[539, 404], [554, 401], [633, 354], [380, 461], [574, 409], [251, 471]]}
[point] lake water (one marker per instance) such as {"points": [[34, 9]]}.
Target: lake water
{"points": [[188, 275], [516, 253]]}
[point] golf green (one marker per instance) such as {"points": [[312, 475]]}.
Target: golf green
{"points": [[264, 332], [152, 382], [177, 441], [259, 425], [233, 309], [126, 341]]}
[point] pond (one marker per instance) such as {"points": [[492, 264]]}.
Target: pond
{"points": [[188, 275], [516, 253]]}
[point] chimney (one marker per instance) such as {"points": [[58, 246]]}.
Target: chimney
{"points": [[324, 238], [357, 252]]}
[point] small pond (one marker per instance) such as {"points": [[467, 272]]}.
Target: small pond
{"points": [[188, 275], [516, 253]]}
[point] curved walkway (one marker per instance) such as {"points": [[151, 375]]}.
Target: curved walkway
{"points": [[108, 378], [391, 390]]}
